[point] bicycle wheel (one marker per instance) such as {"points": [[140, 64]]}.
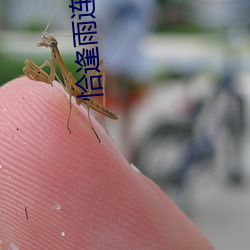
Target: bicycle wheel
{"points": [[160, 150]]}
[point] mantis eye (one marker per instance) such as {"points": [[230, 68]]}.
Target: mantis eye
{"points": [[47, 40]]}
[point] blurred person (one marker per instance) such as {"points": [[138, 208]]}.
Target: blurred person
{"points": [[225, 109], [122, 26]]}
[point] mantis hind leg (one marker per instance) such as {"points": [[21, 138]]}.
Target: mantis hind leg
{"points": [[70, 108], [92, 127], [90, 121]]}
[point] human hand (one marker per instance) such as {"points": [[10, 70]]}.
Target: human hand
{"points": [[68, 191]]}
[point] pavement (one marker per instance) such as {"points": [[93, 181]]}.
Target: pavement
{"points": [[222, 210], [222, 214]]}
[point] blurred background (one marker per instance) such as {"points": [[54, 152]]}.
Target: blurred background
{"points": [[178, 74]]}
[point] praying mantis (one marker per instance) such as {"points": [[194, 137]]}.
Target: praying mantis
{"points": [[35, 72]]}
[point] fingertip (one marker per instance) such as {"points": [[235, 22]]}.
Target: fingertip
{"points": [[68, 191]]}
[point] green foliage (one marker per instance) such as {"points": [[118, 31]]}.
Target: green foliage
{"points": [[34, 26], [178, 28], [10, 68]]}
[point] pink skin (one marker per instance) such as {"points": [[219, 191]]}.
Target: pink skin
{"points": [[78, 193]]}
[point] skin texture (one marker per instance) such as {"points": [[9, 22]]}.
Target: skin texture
{"points": [[78, 193]]}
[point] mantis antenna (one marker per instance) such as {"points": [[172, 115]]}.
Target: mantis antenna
{"points": [[53, 14]]}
